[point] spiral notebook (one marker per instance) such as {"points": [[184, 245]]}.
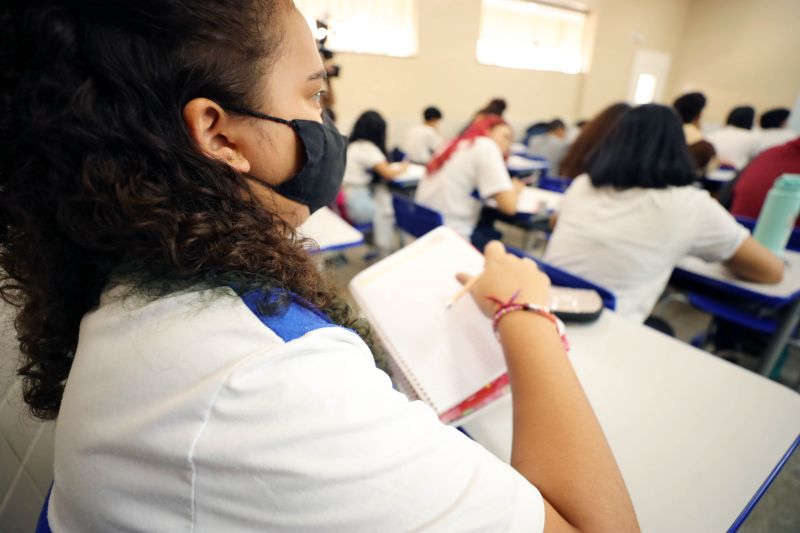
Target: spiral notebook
{"points": [[448, 358]]}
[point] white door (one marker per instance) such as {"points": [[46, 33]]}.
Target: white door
{"points": [[648, 76]]}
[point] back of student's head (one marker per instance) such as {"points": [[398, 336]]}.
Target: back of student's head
{"points": [[741, 117], [431, 113], [774, 118], [592, 134], [496, 106], [689, 106], [645, 149], [371, 127], [556, 125]]}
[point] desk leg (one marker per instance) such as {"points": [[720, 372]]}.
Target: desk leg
{"points": [[780, 339]]}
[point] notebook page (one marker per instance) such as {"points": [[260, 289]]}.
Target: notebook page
{"points": [[451, 353]]}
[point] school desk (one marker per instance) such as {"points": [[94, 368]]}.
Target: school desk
{"points": [[695, 437]]}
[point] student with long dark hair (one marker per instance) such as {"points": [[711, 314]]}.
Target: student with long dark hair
{"points": [[635, 214], [155, 158], [366, 197], [592, 134]]}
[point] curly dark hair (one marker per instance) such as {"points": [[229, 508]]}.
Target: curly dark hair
{"points": [[101, 183]]}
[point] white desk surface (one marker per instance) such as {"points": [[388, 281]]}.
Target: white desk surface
{"points": [[716, 271], [721, 175], [519, 149], [330, 231], [532, 200], [694, 436], [519, 163], [414, 173]]}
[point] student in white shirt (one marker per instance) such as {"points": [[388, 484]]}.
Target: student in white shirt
{"points": [[366, 197], [736, 144], [473, 161], [626, 223], [203, 376], [774, 129], [690, 109], [422, 140]]}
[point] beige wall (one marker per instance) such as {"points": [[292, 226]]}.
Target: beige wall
{"points": [[734, 50], [622, 27], [446, 72], [740, 52]]}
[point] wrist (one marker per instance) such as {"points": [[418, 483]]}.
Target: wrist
{"points": [[514, 316]]}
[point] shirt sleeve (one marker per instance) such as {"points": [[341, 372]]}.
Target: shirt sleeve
{"points": [[718, 234], [491, 168], [313, 436], [371, 156]]}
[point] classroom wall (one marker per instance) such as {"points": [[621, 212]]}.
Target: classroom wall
{"points": [[622, 26], [446, 73], [740, 52]]}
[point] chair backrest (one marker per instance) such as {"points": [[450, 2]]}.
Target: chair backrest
{"points": [[413, 218], [794, 238], [562, 278], [553, 183], [42, 525], [396, 155]]}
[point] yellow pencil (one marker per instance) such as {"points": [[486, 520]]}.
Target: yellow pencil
{"points": [[464, 290]]}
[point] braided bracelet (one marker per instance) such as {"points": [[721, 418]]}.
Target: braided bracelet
{"points": [[511, 305]]}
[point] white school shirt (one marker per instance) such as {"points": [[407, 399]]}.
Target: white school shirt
{"points": [[362, 156], [420, 142], [734, 145], [195, 412], [629, 241], [479, 165], [775, 137]]}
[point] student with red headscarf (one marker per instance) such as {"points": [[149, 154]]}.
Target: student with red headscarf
{"points": [[475, 160]]}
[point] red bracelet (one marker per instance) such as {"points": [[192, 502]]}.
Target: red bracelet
{"points": [[511, 305]]}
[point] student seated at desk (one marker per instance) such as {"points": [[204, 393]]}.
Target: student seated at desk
{"points": [[472, 161], [218, 384], [590, 137], [690, 108], [365, 199], [422, 140], [750, 189], [774, 129], [552, 145], [736, 143], [627, 223]]}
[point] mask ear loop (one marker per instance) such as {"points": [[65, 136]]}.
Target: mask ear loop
{"points": [[255, 114]]}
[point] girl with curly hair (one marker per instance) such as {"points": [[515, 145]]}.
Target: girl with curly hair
{"points": [[155, 158]]}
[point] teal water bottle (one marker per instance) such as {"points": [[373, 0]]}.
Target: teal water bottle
{"points": [[780, 210]]}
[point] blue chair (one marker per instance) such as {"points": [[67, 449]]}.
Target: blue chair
{"points": [[413, 218], [42, 525], [396, 155], [794, 238], [553, 183], [562, 278]]}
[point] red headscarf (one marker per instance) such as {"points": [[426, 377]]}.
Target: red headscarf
{"points": [[479, 128]]}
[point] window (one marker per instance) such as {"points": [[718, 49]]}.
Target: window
{"points": [[385, 27], [532, 35]]}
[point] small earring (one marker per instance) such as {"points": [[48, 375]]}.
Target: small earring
{"points": [[234, 157]]}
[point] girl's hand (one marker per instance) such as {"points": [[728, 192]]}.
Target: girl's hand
{"points": [[505, 274]]}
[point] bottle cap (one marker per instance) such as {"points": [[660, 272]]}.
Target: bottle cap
{"points": [[789, 182]]}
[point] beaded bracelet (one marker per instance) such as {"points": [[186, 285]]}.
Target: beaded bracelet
{"points": [[511, 305]]}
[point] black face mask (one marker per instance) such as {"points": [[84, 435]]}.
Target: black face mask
{"points": [[318, 182]]}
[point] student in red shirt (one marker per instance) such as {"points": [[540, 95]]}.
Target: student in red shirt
{"points": [[750, 189]]}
